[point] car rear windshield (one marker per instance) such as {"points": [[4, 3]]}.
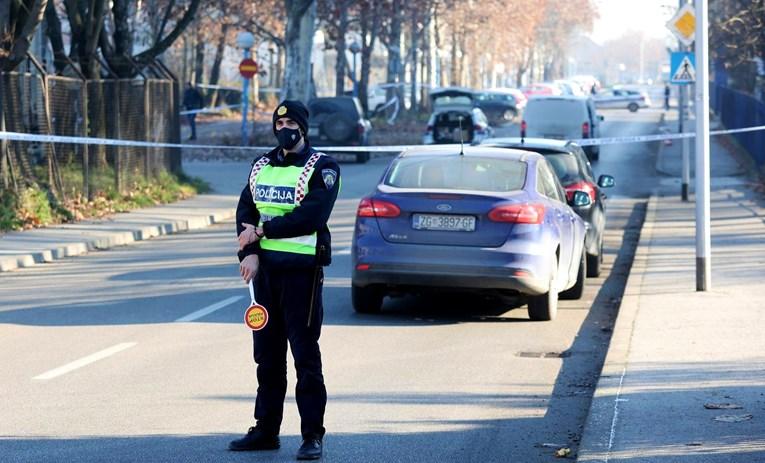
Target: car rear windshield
{"points": [[444, 100], [494, 97], [457, 173], [555, 111], [565, 167], [333, 105]]}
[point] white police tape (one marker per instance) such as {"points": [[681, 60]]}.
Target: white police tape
{"points": [[26, 137], [208, 110]]}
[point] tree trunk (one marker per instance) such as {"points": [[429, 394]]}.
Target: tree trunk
{"points": [[199, 59], [340, 46], [414, 69], [394, 55], [370, 26], [16, 35], [301, 24], [54, 35], [454, 78], [215, 71]]}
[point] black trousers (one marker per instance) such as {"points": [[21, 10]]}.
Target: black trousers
{"points": [[286, 294]]}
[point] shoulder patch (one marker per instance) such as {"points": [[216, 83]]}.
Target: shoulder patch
{"points": [[330, 177]]}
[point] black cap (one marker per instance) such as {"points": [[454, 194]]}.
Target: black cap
{"points": [[295, 110]]}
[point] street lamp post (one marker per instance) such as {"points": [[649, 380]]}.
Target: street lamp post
{"points": [[245, 41], [355, 48]]}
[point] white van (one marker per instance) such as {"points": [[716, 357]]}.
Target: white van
{"points": [[562, 118]]}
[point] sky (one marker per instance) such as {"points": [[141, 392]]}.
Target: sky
{"points": [[618, 16]]}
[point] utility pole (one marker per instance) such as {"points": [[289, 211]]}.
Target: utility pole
{"points": [[703, 236], [682, 102]]}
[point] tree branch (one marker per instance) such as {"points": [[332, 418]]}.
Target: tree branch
{"points": [[163, 44]]}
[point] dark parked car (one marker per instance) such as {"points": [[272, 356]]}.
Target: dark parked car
{"points": [[498, 105], [339, 121], [575, 174], [493, 221]]}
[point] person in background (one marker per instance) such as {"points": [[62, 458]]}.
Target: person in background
{"points": [[666, 97], [192, 100]]}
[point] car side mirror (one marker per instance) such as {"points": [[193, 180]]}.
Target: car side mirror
{"points": [[606, 181], [602, 118], [580, 199]]}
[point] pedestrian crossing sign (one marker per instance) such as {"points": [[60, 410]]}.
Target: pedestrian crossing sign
{"points": [[682, 68]]}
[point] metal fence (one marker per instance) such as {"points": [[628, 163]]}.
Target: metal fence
{"points": [[737, 110], [128, 109]]}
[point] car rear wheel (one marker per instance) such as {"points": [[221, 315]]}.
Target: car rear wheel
{"points": [[576, 291], [594, 261], [544, 307], [509, 115], [362, 158], [633, 107], [367, 299]]}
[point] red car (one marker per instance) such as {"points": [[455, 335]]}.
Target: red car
{"points": [[541, 89]]}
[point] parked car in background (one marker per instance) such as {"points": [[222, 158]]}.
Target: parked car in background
{"points": [[621, 98], [339, 121], [492, 221], [570, 87], [590, 84], [520, 98], [499, 106], [545, 88], [562, 118], [455, 118], [575, 174]]}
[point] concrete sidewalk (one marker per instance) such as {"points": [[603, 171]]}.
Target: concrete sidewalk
{"points": [[32, 247], [684, 378]]}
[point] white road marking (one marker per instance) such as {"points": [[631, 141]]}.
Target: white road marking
{"points": [[612, 434], [208, 310], [62, 370], [343, 252]]}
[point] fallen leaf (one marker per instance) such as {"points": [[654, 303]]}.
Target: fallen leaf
{"points": [[563, 453], [722, 406], [733, 418]]}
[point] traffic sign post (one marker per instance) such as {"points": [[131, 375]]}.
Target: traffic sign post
{"points": [[247, 69], [703, 236], [683, 72]]}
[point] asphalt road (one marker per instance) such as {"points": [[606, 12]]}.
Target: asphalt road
{"points": [[96, 366]]}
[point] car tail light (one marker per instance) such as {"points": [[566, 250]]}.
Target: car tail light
{"points": [[523, 129], [585, 130], [477, 128], [429, 129], [369, 207], [360, 129], [580, 186], [362, 267], [518, 213]]}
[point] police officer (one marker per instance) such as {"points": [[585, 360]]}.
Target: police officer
{"points": [[284, 242]]}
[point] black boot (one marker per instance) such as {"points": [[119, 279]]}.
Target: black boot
{"points": [[310, 450], [255, 439]]}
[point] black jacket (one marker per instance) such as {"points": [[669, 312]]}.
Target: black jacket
{"points": [[310, 216]]}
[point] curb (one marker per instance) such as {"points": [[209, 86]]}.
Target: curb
{"points": [[107, 240], [597, 436]]}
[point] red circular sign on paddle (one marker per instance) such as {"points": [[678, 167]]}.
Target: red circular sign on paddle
{"points": [[256, 317], [248, 68]]}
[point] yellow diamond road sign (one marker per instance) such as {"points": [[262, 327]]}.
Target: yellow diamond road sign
{"points": [[683, 24]]}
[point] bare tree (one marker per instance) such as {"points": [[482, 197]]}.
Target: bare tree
{"points": [[301, 18], [18, 21]]}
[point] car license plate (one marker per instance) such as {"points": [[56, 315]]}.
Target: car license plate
{"points": [[313, 131], [443, 222]]}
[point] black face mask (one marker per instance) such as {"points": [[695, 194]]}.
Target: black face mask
{"points": [[288, 138]]}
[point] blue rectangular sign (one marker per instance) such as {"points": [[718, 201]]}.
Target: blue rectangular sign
{"points": [[682, 69]]}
